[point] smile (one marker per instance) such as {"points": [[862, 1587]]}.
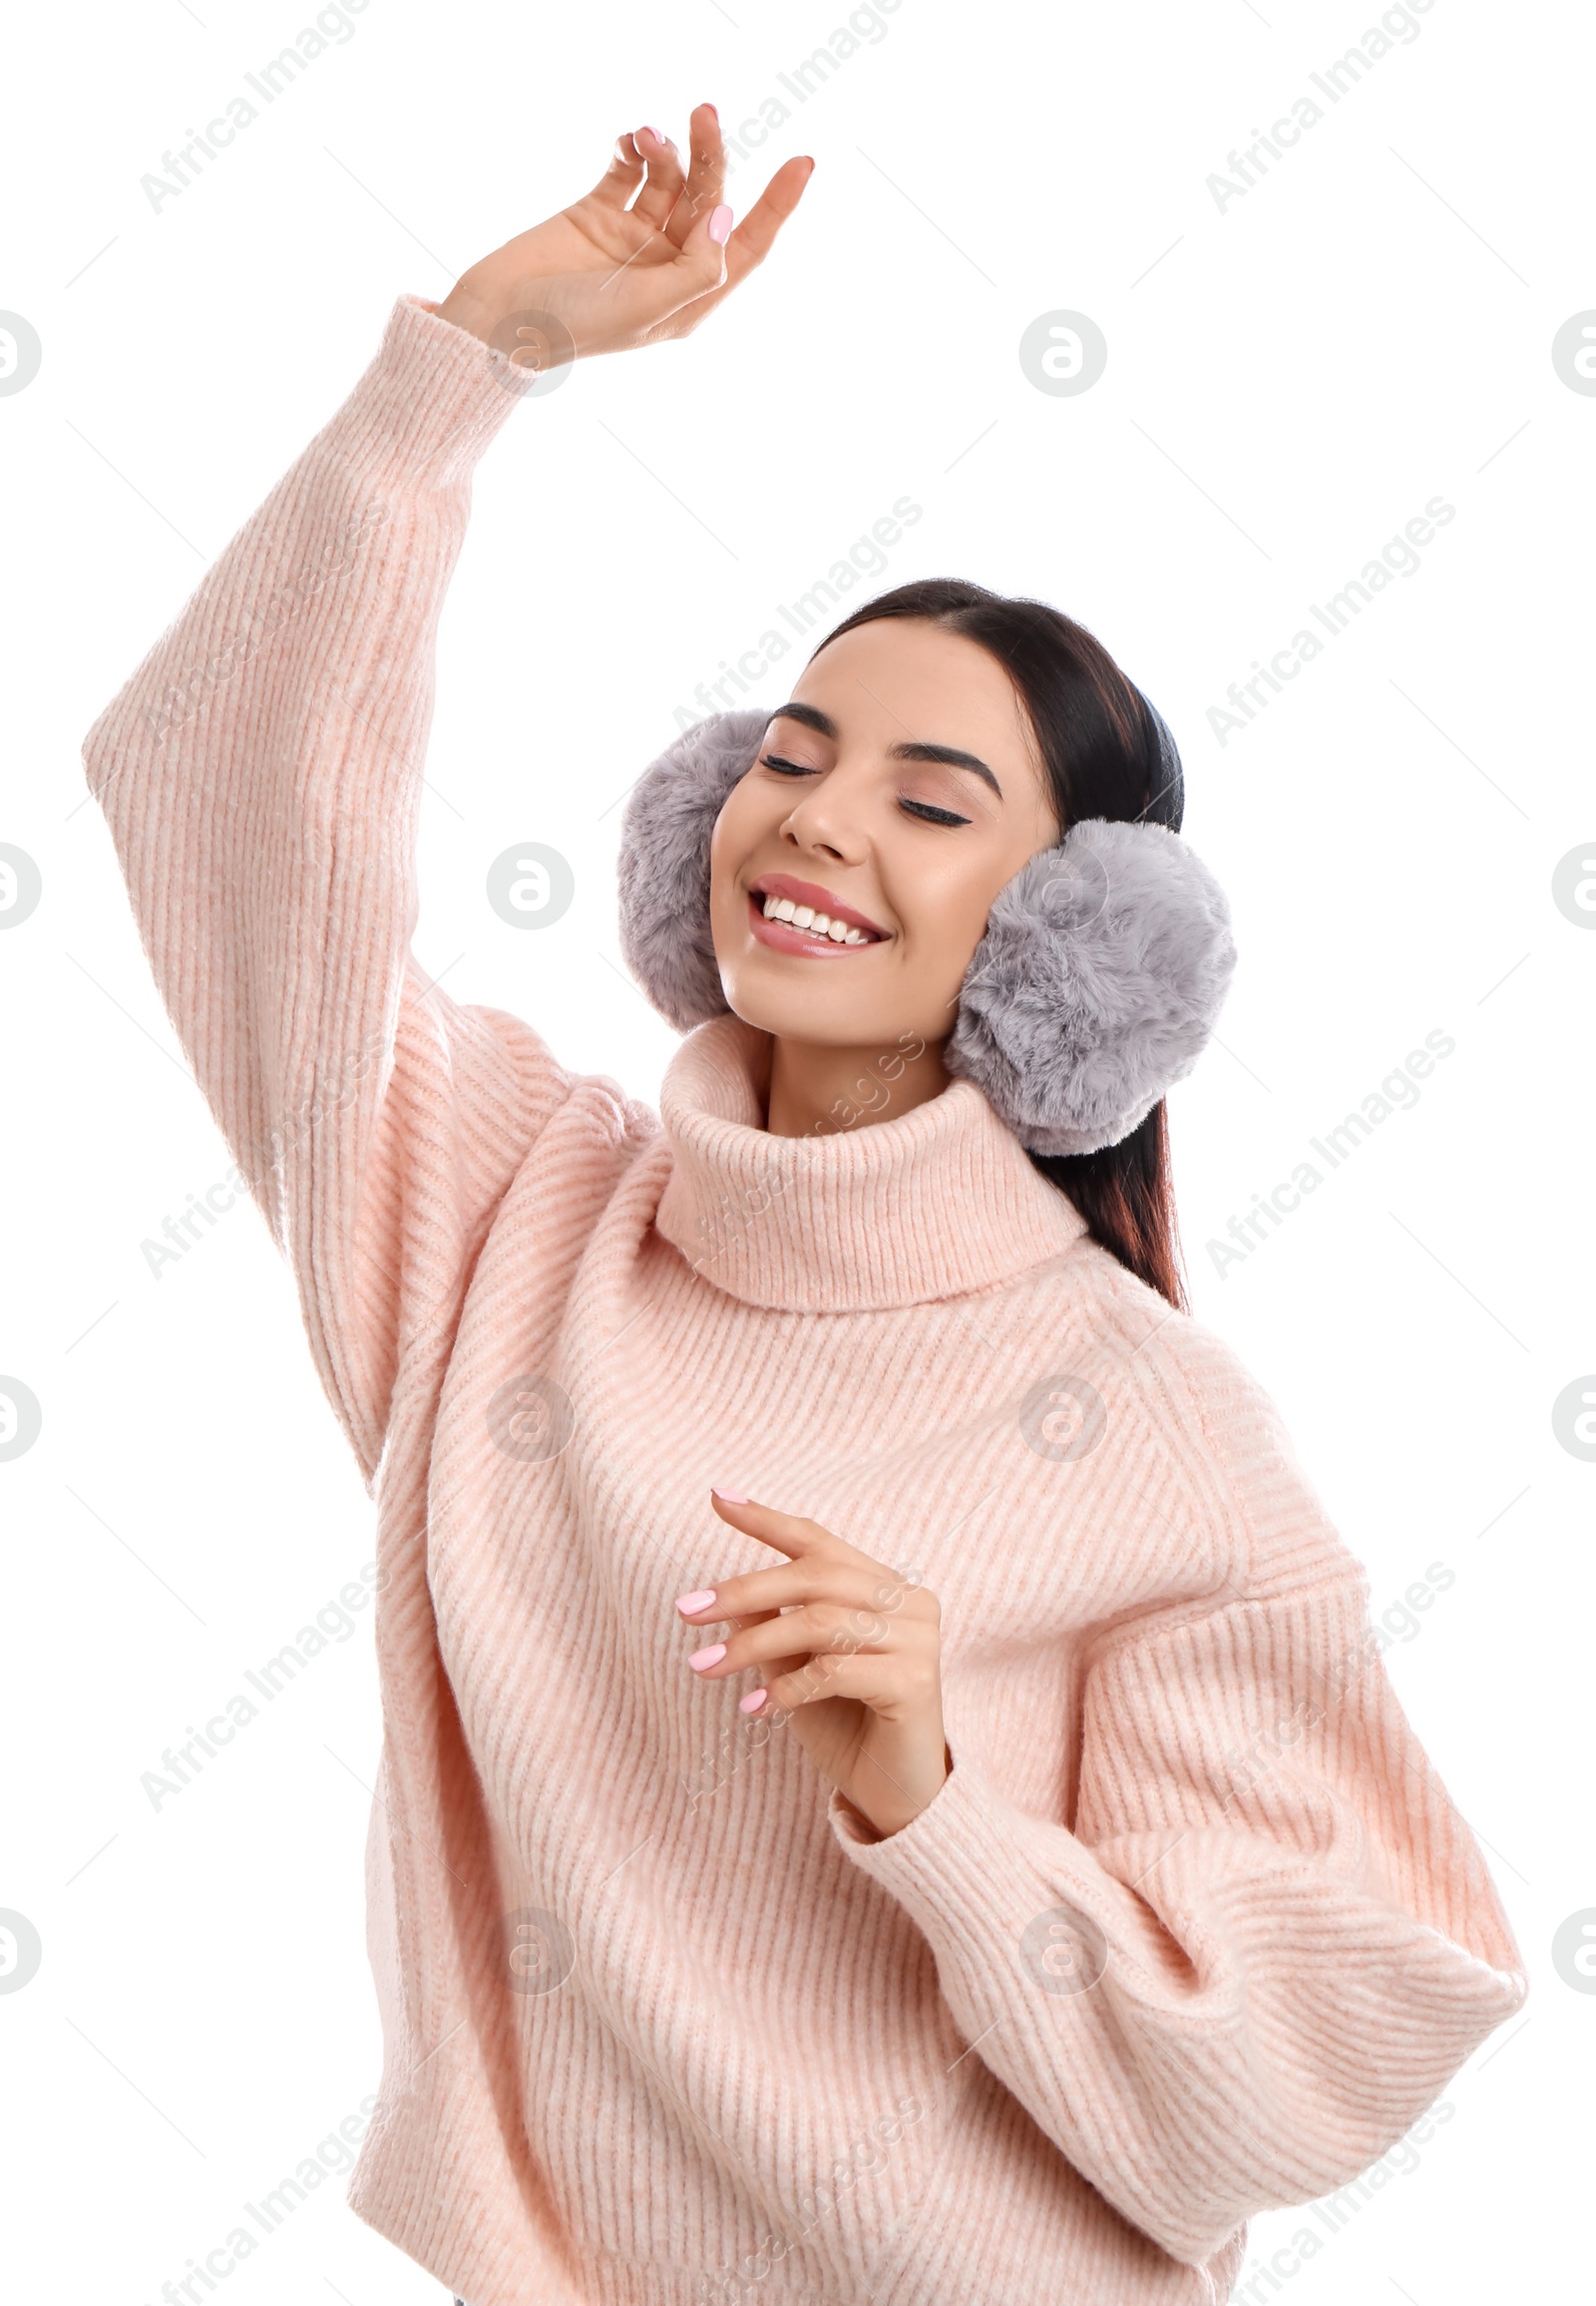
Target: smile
{"points": [[795, 917]]}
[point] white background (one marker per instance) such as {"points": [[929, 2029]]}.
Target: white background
{"points": [[1289, 380]]}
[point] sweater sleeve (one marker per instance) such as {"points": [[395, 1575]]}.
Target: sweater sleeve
{"points": [[1263, 1949], [260, 774]]}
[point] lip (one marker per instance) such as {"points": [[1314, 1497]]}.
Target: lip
{"points": [[782, 936]]}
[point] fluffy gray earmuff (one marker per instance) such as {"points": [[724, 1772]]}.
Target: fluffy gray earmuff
{"points": [[1097, 985], [663, 866]]}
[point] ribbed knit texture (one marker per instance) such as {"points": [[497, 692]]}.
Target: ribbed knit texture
{"points": [[664, 2021]]}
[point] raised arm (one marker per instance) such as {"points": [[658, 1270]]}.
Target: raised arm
{"points": [[260, 775]]}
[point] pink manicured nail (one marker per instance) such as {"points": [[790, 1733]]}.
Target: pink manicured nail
{"points": [[752, 1703], [653, 131], [701, 1660], [691, 1604], [720, 225], [732, 1496]]}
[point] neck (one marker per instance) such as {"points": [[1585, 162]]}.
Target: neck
{"points": [[817, 1091]]}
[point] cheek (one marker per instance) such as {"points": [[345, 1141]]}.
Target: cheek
{"points": [[948, 879], [739, 826], [753, 808], [944, 905]]}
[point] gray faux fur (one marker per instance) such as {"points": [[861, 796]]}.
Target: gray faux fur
{"points": [[1097, 985], [1103, 968], [663, 865]]}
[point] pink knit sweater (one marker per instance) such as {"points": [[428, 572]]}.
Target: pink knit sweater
{"points": [[1192, 1931]]}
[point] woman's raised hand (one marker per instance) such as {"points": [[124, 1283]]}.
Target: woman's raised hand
{"points": [[611, 277]]}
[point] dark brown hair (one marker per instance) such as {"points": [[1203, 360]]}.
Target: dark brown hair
{"points": [[1107, 754]]}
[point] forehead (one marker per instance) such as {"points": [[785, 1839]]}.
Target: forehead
{"points": [[899, 678]]}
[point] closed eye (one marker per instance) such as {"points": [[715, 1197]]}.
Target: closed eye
{"points": [[924, 810], [932, 814]]}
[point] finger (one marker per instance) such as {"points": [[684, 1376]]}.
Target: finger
{"points": [[813, 1633], [755, 236], [869, 1677], [717, 1660], [652, 299], [736, 1626], [758, 1700], [622, 176], [790, 1533], [861, 1585], [663, 184], [707, 173]]}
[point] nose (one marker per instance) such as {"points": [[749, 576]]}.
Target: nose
{"points": [[824, 821]]}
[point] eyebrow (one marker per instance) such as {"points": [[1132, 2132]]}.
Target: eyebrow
{"points": [[912, 749]]}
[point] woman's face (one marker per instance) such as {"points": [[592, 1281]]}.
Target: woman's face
{"points": [[897, 792]]}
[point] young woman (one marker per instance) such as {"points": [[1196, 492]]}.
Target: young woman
{"points": [[889, 1791]]}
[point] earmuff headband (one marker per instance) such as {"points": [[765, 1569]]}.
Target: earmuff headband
{"points": [[1095, 987]]}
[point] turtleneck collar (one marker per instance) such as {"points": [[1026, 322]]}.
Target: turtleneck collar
{"points": [[940, 1201]]}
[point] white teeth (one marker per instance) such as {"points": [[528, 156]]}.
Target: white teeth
{"points": [[817, 924]]}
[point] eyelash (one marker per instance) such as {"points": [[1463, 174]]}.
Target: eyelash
{"points": [[930, 814], [926, 811]]}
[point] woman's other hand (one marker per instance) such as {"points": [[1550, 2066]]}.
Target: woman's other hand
{"points": [[611, 276], [849, 1651]]}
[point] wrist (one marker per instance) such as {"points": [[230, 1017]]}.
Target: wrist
{"points": [[896, 1797], [467, 311]]}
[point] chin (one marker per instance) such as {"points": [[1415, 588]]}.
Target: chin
{"points": [[793, 1014], [843, 1001]]}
